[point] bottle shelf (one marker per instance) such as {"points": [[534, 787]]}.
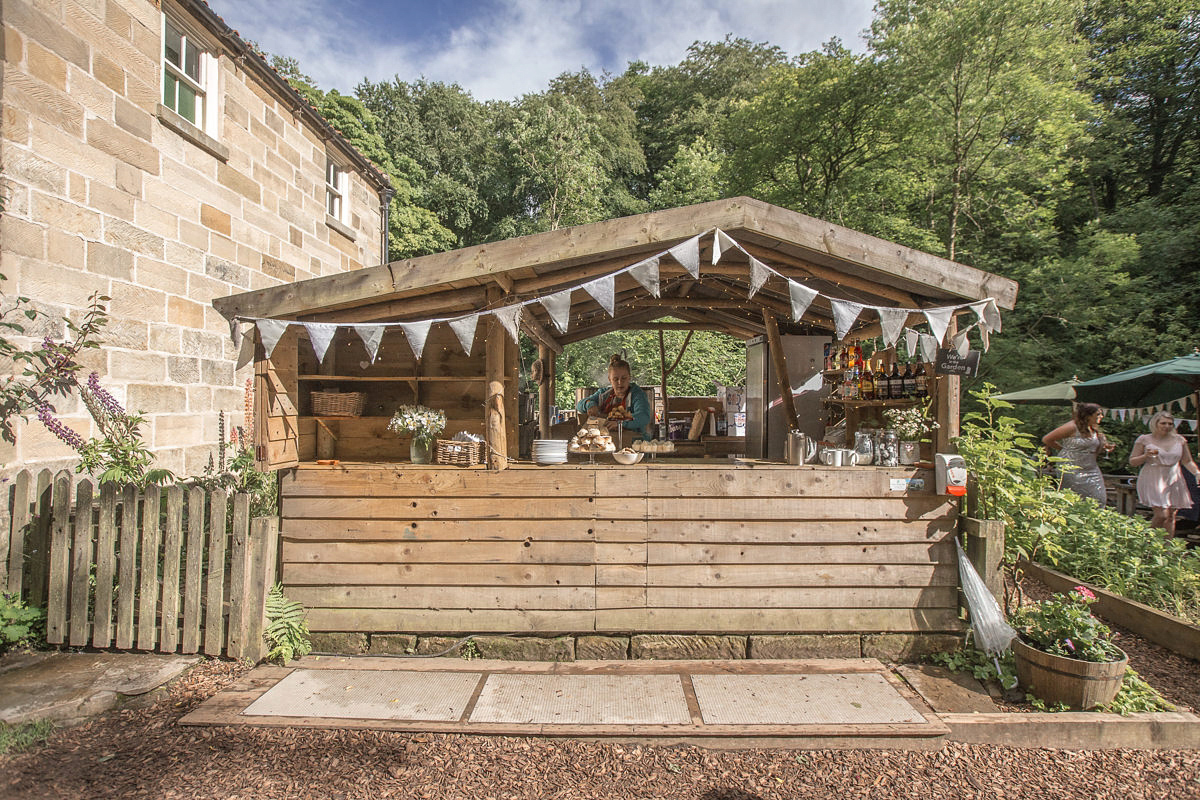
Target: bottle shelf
{"points": [[911, 401], [394, 378]]}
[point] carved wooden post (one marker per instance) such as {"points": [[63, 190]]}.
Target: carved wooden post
{"points": [[775, 343], [493, 403]]}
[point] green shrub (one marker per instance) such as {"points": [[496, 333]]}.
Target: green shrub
{"points": [[287, 631], [19, 624]]}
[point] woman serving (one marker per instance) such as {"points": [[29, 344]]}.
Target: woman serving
{"points": [[623, 404], [1160, 483]]}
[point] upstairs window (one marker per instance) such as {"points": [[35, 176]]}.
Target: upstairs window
{"points": [[336, 182], [189, 77]]}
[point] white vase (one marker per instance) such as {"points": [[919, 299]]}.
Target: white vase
{"points": [[910, 452]]}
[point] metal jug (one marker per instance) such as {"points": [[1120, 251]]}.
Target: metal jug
{"points": [[800, 448]]}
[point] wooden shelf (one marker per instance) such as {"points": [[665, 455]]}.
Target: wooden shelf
{"points": [[394, 378], [911, 401]]}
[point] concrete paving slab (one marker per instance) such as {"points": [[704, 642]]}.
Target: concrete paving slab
{"points": [[947, 692], [583, 700], [69, 687], [838, 699], [358, 694]]}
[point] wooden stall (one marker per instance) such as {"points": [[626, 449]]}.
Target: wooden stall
{"points": [[374, 544]]}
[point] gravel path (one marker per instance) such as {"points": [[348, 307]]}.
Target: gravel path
{"points": [[145, 753]]}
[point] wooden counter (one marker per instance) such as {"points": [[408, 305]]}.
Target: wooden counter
{"points": [[701, 545]]}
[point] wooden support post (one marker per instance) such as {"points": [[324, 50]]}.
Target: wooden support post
{"points": [[775, 343], [495, 431], [512, 428], [547, 358], [985, 551], [949, 401]]}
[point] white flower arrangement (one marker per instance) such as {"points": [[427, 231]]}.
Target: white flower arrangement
{"points": [[423, 423], [910, 423]]}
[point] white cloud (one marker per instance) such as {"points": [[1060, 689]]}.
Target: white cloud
{"points": [[511, 47]]}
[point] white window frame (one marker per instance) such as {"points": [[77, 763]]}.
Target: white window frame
{"points": [[206, 88], [337, 190]]}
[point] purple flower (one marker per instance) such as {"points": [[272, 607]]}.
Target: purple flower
{"points": [[56, 426], [107, 401], [1070, 645]]}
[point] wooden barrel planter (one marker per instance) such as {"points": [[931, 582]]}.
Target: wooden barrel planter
{"points": [[1057, 679]]}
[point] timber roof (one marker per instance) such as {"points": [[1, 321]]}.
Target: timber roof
{"points": [[836, 261]]}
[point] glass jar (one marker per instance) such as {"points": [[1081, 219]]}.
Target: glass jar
{"points": [[889, 449], [864, 447]]}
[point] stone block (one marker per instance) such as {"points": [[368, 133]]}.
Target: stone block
{"points": [[118, 20], [177, 430], [216, 373], [46, 66], [339, 643], [130, 237], [66, 216], [215, 219], [908, 646], [110, 202], [108, 72], [22, 237], [295, 236], [429, 645], [160, 275], [123, 146], [806, 646], [183, 370], [687, 646], [164, 338], [45, 104], [186, 313], [22, 166], [227, 272], [157, 398], [526, 648], [14, 46], [193, 235], [114, 262], [128, 333], [48, 32], [129, 179], [66, 249], [138, 302], [229, 177], [601, 648], [389, 644], [199, 399], [14, 125], [236, 113], [278, 269], [132, 366], [154, 220], [203, 344]]}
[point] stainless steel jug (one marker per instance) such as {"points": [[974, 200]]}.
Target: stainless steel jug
{"points": [[800, 448]]}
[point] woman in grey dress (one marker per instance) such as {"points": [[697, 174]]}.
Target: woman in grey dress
{"points": [[1080, 442]]}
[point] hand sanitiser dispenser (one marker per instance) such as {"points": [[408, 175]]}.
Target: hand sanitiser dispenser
{"points": [[950, 474]]}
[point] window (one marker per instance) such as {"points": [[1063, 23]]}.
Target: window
{"points": [[336, 181], [189, 77]]}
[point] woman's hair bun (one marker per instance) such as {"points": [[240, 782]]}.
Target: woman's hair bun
{"points": [[616, 362]]}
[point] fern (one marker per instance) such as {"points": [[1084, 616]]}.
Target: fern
{"points": [[287, 630]]}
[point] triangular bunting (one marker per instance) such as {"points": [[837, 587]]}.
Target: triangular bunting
{"points": [[269, 331], [802, 298], [604, 292], [910, 341], [321, 336], [961, 344], [844, 315], [891, 323], [510, 318], [759, 272], [688, 254], [929, 347], [721, 243], [464, 329], [939, 321], [558, 306], [371, 336], [991, 315], [416, 333], [646, 273], [235, 331]]}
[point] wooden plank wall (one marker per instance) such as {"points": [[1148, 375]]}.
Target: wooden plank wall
{"points": [[124, 570], [686, 548]]}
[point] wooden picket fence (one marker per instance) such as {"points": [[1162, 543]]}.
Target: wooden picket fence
{"points": [[167, 570]]}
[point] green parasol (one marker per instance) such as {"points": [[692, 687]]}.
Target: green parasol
{"points": [[1054, 394], [1141, 387]]}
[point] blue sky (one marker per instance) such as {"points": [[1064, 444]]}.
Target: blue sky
{"points": [[501, 49]]}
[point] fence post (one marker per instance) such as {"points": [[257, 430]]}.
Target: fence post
{"points": [[192, 577], [81, 565], [264, 538], [127, 567], [214, 621], [106, 566], [238, 576], [37, 550], [6, 515], [148, 598], [20, 524], [172, 548], [60, 560]]}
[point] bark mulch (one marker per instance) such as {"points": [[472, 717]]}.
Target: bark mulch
{"points": [[146, 753]]}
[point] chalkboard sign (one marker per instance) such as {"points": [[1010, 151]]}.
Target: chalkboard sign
{"points": [[949, 362]]}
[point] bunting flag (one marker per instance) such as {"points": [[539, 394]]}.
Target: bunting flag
{"points": [[464, 329], [939, 321], [802, 298], [416, 333], [646, 273], [603, 290], [269, 331], [961, 344], [235, 331], [510, 318], [844, 315], [910, 342], [320, 334], [246, 352], [721, 243], [372, 336], [688, 254], [758, 275], [891, 322], [558, 306], [929, 347], [986, 336]]}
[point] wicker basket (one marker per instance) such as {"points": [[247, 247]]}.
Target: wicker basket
{"points": [[337, 404], [458, 454]]}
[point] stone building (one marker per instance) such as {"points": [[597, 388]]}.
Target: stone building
{"points": [[147, 153]]}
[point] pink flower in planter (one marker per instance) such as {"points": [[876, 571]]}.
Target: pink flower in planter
{"points": [[1085, 593], [1070, 645]]}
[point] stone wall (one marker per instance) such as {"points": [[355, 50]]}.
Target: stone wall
{"points": [[106, 193]]}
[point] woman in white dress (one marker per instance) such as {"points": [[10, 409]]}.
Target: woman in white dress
{"points": [[1160, 484], [1080, 442]]}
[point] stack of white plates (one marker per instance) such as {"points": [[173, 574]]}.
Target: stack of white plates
{"points": [[549, 451]]}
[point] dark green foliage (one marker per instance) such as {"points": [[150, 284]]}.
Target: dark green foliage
{"points": [[287, 633], [19, 624]]}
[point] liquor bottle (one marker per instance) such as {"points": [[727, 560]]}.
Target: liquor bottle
{"points": [[910, 381], [850, 385], [895, 383], [881, 382], [922, 383], [843, 357], [858, 353], [866, 384]]}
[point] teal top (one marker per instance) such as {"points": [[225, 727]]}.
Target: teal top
{"points": [[636, 404]]}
